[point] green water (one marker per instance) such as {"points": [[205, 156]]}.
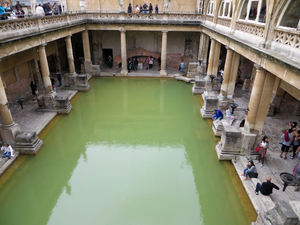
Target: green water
{"points": [[133, 151]]}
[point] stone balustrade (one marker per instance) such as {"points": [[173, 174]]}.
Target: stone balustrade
{"points": [[251, 28]]}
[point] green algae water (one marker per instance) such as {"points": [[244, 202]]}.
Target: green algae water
{"points": [[133, 151]]}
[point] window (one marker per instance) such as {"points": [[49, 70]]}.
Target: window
{"points": [[225, 8], [210, 7], [254, 10], [291, 15]]}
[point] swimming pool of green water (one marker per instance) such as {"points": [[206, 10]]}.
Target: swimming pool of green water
{"points": [[132, 151]]}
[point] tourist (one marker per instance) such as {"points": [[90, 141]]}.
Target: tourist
{"points": [[266, 187], [150, 8], [181, 66], [18, 5], [128, 65], [53, 84], [20, 12], [8, 151], [296, 144], [55, 9], [137, 9], [156, 8], [2, 11], [34, 90], [219, 64], [159, 63], [47, 9], [141, 8], [40, 10], [58, 75], [8, 7], [145, 6], [129, 10], [250, 170], [147, 63], [221, 75], [110, 61], [135, 63], [262, 150], [151, 62], [287, 139], [217, 115]]}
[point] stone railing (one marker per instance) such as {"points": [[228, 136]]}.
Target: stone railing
{"points": [[251, 28], [15, 29], [287, 36], [224, 21], [209, 18]]}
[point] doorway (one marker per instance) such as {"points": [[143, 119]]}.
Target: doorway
{"points": [[107, 52]]}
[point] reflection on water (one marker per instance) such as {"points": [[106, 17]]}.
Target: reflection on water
{"points": [[133, 151]]}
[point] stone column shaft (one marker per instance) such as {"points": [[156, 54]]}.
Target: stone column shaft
{"points": [[163, 71], [86, 51], [255, 98], [211, 57], [226, 75], [4, 110], [203, 50], [216, 58], [124, 70], [70, 54], [264, 102], [233, 74], [45, 68]]}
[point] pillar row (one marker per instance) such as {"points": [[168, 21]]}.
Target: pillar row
{"points": [[86, 51], [213, 62], [163, 71], [124, 71], [70, 54], [45, 68]]}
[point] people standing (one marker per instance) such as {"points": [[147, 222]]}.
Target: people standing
{"points": [[221, 75], [147, 62], [262, 150], [181, 66], [53, 84], [18, 5], [296, 143], [58, 75], [20, 12], [8, 151], [151, 62], [34, 90], [159, 63], [128, 65], [141, 8], [129, 10], [145, 7], [150, 8], [287, 139], [135, 63], [110, 61], [156, 8], [266, 187], [40, 10], [55, 9], [137, 9], [250, 170]]}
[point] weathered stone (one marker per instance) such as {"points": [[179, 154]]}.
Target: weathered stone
{"points": [[53, 103], [28, 143], [218, 127], [199, 86], [9, 132], [246, 85], [62, 105], [192, 69], [77, 82], [210, 104]]}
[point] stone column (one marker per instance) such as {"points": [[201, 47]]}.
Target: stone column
{"points": [[234, 69], [264, 102], [70, 55], [86, 51], [216, 58], [203, 50], [210, 60], [57, 60], [45, 68], [9, 128], [124, 71], [163, 71], [226, 75], [255, 98]]}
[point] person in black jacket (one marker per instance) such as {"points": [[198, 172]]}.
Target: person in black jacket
{"points": [[129, 10], [266, 187]]}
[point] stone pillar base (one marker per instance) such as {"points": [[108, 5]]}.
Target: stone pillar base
{"points": [[9, 133], [28, 143], [95, 70], [249, 142], [53, 103], [218, 127], [124, 72], [207, 80], [199, 86], [224, 104], [77, 82], [163, 73], [210, 104], [87, 66], [192, 69], [230, 145], [246, 85]]}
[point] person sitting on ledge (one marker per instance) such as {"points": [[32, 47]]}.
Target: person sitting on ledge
{"points": [[250, 170], [266, 187], [8, 151], [217, 115]]}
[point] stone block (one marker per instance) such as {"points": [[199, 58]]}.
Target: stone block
{"points": [[199, 86], [82, 83], [210, 104], [28, 143], [192, 69], [218, 127], [246, 85], [230, 145], [286, 214], [249, 142], [95, 70], [63, 105], [9, 133]]}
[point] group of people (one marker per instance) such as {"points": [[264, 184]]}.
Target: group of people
{"points": [[7, 8], [47, 9], [290, 137], [132, 63], [143, 8]]}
